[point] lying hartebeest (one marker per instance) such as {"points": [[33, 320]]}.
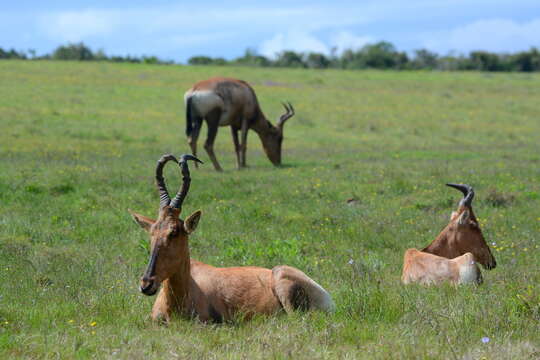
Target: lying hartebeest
{"points": [[231, 102], [453, 255], [192, 288]]}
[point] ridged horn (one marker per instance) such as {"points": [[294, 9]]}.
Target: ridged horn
{"points": [[468, 193], [289, 113], [186, 180], [164, 198]]}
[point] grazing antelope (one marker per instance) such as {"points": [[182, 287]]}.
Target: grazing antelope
{"points": [[192, 288], [231, 102], [453, 255]]}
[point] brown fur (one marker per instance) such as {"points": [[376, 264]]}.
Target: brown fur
{"points": [[462, 236], [231, 102], [428, 269], [192, 288]]}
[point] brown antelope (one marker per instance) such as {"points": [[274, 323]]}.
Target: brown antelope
{"points": [[192, 288], [231, 102], [453, 255]]}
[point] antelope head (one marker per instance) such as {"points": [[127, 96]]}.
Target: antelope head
{"points": [[463, 233], [169, 252], [273, 137]]}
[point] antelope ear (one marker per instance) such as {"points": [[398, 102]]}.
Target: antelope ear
{"points": [[464, 217], [143, 221], [190, 224]]}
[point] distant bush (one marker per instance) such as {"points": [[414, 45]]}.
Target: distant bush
{"points": [[251, 58], [486, 61], [289, 59], [381, 55], [526, 60], [12, 54], [128, 59], [81, 52], [317, 61], [154, 60], [424, 59], [77, 51], [200, 60]]}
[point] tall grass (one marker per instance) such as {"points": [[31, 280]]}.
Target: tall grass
{"points": [[78, 145]]}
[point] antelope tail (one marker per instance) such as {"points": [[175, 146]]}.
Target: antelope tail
{"points": [[189, 120], [317, 296]]}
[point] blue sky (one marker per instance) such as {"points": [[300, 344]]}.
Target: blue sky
{"points": [[177, 30]]}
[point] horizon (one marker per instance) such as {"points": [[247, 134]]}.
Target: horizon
{"points": [[177, 32]]}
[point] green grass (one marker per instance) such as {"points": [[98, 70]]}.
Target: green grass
{"points": [[78, 146]]}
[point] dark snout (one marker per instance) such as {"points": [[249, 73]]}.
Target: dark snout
{"points": [[275, 158], [492, 264], [149, 286]]}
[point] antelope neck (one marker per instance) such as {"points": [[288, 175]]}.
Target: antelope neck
{"points": [[176, 288], [261, 125]]}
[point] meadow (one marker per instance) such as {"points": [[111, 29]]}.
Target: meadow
{"points": [[78, 147]]}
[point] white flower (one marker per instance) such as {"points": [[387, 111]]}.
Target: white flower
{"points": [[485, 339], [351, 261]]}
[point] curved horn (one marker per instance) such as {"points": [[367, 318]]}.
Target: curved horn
{"points": [[468, 193], [164, 198], [288, 114], [186, 180]]}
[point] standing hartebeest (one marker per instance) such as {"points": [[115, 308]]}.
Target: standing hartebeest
{"points": [[192, 288], [452, 256], [231, 102]]}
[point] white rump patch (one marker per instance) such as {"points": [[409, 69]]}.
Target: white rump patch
{"points": [[204, 101]]}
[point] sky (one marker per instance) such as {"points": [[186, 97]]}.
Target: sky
{"points": [[177, 30]]}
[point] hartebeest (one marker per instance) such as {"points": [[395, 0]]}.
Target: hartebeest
{"points": [[231, 102], [192, 288], [453, 255]]}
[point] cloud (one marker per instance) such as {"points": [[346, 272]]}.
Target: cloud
{"points": [[294, 40], [301, 41], [196, 39], [497, 35], [77, 25], [83, 23], [218, 29], [345, 40]]}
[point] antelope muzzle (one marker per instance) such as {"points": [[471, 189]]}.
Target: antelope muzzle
{"points": [[149, 286], [491, 264]]}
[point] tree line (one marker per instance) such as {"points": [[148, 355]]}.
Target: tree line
{"points": [[79, 52], [380, 55]]}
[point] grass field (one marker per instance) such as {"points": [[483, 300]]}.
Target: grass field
{"points": [[78, 146]]}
